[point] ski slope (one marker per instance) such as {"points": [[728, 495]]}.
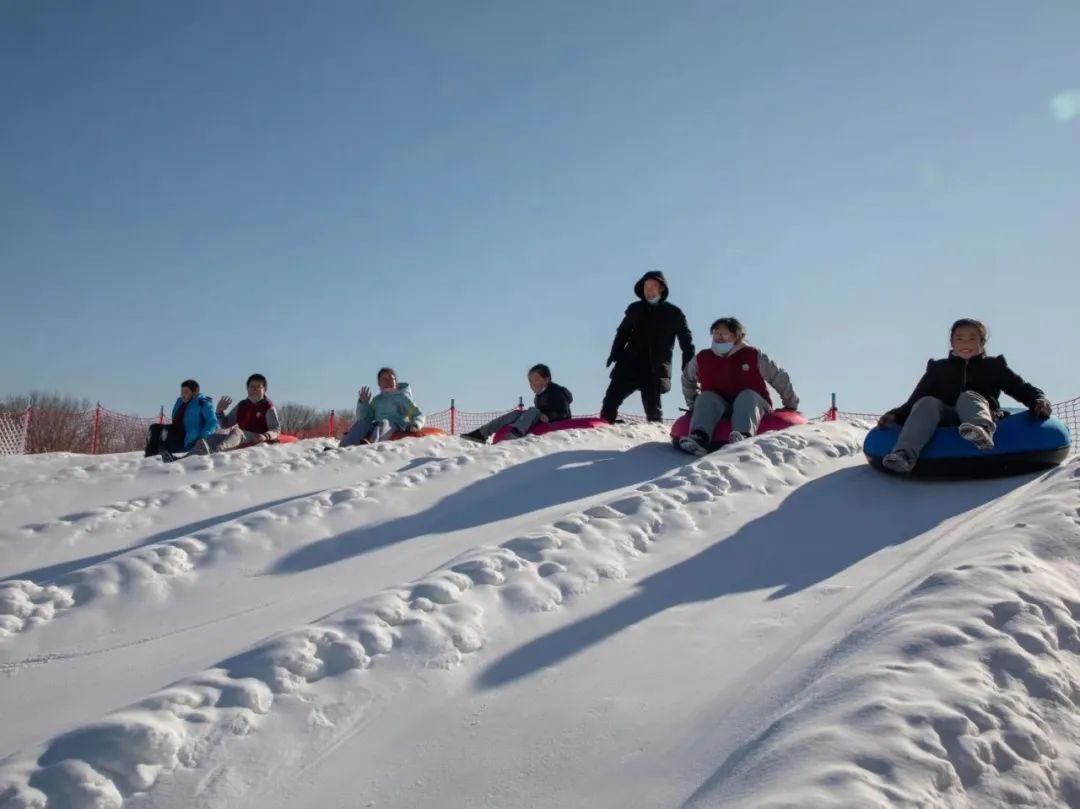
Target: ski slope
{"points": [[581, 619]]}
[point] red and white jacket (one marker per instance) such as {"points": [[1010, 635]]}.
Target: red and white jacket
{"points": [[254, 417], [743, 368]]}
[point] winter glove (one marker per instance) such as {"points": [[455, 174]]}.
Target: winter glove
{"points": [[1041, 409], [886, 421]]}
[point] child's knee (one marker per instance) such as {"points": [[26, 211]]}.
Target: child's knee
{"points": [[928, 403]]}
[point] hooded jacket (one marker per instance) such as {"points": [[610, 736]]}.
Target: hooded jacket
{"points": [[396, 406], [199, 420], [644, 342]]}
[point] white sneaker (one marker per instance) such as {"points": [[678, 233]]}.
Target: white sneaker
{"points": [[979, 436], [900, 461], [735, 437], [693, 446]]}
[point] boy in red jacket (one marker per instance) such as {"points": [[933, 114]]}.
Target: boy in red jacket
{"points": [[253, 421]]}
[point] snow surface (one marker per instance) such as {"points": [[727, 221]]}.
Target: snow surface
{"points": [[582, 619]]}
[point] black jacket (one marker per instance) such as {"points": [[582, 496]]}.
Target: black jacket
{"points": [[644, 340], [554, 402], [946, 379]]}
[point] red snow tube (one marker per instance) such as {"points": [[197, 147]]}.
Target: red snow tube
{"points": [[774, 420], [541, 427], [399, 434], [283, 438]]}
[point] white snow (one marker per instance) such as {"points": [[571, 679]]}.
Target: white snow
{"points": [[584, 619]]}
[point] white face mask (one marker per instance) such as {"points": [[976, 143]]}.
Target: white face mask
{"points": [[722, 348], [653, 300]]}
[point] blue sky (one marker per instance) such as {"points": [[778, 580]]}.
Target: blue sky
{"points": [[463, 189]]}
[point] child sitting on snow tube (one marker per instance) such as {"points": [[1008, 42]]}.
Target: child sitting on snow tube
{"points": [[254, 420], [551, 404], [729, 378], [192, 419], [962, 389], [391, 410]]}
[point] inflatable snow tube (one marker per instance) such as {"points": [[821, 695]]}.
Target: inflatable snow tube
{"points": [[540, 428], [283, 438], [1022, 443], [773, 421], [423, 431]]}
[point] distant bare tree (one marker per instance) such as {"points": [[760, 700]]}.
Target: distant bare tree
{"points": [[297, 418], [344, 417], [60, 423]]}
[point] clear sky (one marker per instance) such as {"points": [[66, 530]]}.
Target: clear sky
{"points": [[462, 189]]}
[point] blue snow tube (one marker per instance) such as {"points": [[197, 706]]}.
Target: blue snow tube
{"points": [[1022, 443]]}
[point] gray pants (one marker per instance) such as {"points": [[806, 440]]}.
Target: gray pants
{"points": [[366, 428], [230, 439], [520, 421], [929, 413], [746, 413]]}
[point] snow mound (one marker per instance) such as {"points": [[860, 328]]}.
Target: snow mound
{"points": [[964, 692]]}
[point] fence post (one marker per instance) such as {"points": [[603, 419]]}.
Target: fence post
{"points": [[161, 415], [27, 421], [831, 416], [330, 433], [521, 404], [453, 411], [97, 428]]}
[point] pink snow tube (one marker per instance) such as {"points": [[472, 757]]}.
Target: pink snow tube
{"points": [[540, 427], [775, 420]]}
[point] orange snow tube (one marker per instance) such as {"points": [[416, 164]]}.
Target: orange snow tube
{"points": [[424, 431], [283, 438]]}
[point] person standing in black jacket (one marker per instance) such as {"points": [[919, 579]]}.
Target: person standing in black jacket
{"points": [[551, 403], [961, 389], [642, 349]]}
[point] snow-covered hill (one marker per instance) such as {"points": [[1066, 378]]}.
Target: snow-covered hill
{"points": [[583, 619]]}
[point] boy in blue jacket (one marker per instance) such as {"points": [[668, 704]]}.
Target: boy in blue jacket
{"points": [[391, 410], [193, 418]]}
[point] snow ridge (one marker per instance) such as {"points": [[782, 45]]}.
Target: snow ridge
{"points": [[434, 622]]}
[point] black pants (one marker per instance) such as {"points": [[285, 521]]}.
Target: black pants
{"points": [[164, 436], [619, 389]]}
